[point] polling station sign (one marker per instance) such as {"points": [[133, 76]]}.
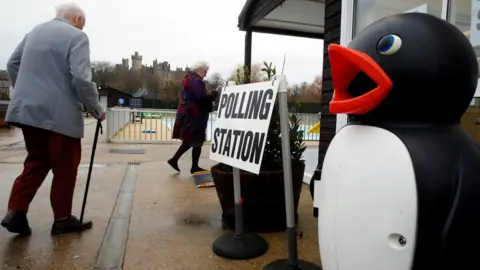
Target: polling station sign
{"points": [[240, 130]]}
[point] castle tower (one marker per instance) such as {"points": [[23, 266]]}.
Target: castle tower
{"points": [[125, 63], [137, 62], [165, 66]]}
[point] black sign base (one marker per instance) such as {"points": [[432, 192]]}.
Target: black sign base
{"points": [[284, 265], [246, 246]]}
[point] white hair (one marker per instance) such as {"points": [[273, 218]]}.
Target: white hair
{"points": [[67, 10], [201, 65]]}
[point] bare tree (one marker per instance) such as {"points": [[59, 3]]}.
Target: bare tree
{"points": [[132, 82], [3, 73], [306, 92], [154, 84], [257, 75], [172, 90], [313, 93], [102, 72], [214, 82]]}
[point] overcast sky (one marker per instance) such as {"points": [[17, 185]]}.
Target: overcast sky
{"points": [[178, 31]]}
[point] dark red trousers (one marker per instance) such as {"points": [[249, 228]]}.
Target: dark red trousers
{"points": [[47, 151]]}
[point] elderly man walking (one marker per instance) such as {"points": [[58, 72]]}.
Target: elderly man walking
{"points": [[51, 77]]}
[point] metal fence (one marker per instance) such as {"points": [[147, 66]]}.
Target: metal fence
{"points": [[117, 121], [126, 125]]}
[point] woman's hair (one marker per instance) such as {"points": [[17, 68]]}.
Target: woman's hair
{"points": [[67, 10], [201, 65]]}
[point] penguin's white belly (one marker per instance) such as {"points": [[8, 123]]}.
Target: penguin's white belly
{"points": [[367, 202]]}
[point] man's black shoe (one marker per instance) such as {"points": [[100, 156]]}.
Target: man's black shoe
{"points": [[70, 225], [17, 222]]}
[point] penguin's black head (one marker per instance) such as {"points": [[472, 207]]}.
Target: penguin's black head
{"points": [[410, 67]]}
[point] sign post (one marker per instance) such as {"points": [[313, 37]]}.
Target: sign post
{"points": [[238, 140], [292, 263]]}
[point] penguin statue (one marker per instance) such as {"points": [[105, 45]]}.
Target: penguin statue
{"points": [[400, 184]]}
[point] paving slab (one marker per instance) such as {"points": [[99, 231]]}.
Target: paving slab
{"points": [[173, 225], [76, 251], [10, 136]]}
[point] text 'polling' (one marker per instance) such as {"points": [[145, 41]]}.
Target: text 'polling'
{"points": [[241, 125], [242, 144]]}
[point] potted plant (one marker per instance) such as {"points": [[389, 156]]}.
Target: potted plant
{"points": [[263, 195]]}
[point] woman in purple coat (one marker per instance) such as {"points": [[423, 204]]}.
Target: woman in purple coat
{"points": [[192, 116]]}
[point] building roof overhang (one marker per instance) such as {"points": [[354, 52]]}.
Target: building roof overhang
{"points": [[301, 18]]}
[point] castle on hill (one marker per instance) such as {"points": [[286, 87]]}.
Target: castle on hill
{"points": [[162, 70]]}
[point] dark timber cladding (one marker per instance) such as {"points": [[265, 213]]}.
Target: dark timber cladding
{"points": [[328, 124]]}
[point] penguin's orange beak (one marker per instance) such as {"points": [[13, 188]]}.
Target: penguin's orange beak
{"points": [[345, 64]]}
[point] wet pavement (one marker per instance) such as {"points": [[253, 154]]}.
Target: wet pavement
{"points": [[42, 251], [10, 136], [172, 224]]}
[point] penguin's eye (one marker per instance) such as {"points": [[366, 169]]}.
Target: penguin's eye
{"points": [[389, 44]]}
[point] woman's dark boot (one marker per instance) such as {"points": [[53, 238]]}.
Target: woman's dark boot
{"points": [[173, 162], [196, 152]]}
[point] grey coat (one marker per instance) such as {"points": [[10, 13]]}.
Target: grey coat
{"points": [[51, 77]]}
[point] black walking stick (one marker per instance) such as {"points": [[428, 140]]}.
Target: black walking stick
{"points": [[94, 147]]}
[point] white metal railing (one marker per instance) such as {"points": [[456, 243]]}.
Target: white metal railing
{"points": [[117, 121], [125, 125]]}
